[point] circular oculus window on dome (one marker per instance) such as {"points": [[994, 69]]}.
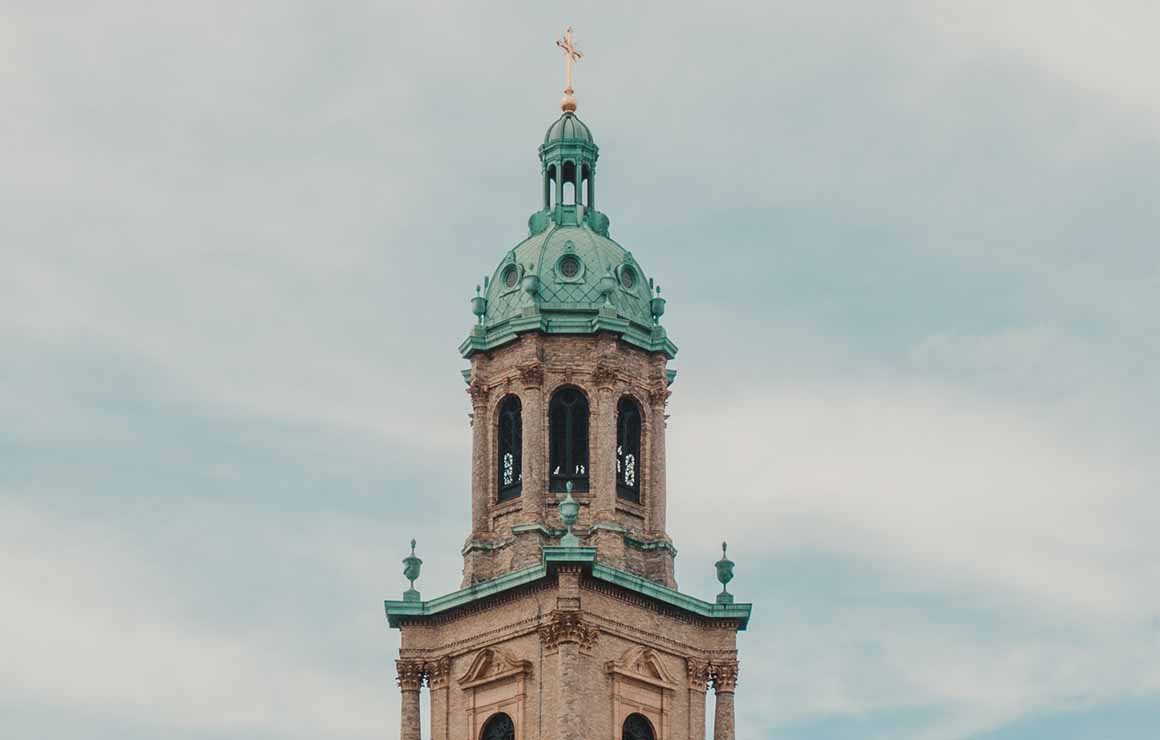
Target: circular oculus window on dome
{"points": [[510, 276], [569, 266], [627, 277]]}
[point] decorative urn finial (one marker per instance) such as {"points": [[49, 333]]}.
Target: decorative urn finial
{"points": [[657, 306], [411, 567], [569, 511], [479, 305], [724, 575]]}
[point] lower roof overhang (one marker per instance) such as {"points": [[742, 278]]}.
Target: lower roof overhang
{"points": [[553, 557]]}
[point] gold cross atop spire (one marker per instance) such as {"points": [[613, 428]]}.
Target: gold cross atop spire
{"points": [[571, 56]]}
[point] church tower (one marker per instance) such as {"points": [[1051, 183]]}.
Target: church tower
{"points": [[568, 624]]}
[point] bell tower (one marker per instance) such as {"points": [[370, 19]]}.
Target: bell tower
{"points": [[568, 624]]}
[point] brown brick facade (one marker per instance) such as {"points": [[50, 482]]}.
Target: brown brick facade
{"points": [[569, 658]]}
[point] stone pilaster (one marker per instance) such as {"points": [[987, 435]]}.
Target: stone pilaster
{"points": [[566, 633], [602, 445], [657, 486], [698, 680], [480, 460], [724, 685], [438, 680], [410, 680], [535, 449]]}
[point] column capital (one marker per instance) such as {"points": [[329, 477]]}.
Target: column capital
{"points": [[567, 627], [438, 671], [532, 376], [410, 674], [698, 673], [724, 675]]}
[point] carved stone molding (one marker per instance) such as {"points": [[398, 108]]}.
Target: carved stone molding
{"points": [[567, 627], [642, 664], [659, 396], [698, 673], [438, 672], [724, 675], [478, 395], [603, 376], [410, 674], [491, 665]]}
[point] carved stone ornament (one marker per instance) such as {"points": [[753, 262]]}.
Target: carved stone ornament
{"points": [[410, 674], [698, 673], [438, 672], [603, 376], [493, 664], [566, 627], [659, 396], [642, 664], [724, 675], [532, 376]]}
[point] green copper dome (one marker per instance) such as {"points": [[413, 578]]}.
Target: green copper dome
{"points": [[568, 127], [568, 276]]}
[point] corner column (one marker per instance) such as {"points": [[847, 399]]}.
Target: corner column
{"points": [[410, 680], [479, 459], [698, 680], [724, 685]]}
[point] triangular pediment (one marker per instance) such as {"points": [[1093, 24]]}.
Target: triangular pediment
{"points": [[493, 664]]}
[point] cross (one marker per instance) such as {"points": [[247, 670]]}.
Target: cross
{"points": [[571, 54]]}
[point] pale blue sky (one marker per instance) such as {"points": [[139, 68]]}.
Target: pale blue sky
{"points": [[910, 256]]}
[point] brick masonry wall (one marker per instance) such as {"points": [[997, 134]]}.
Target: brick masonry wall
{"points": [[532, 368]]}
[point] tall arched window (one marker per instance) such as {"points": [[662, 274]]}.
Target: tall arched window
{"points": [[568, 422], [628, 450], [637, 727], [511, 473], [499, 727]]}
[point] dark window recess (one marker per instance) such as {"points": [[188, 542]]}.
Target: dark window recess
{"points": [[628, 450], [569, 266], [511, 474], [627, 277], [637, 727], [500, 727], [568, 427], [510, 275]]}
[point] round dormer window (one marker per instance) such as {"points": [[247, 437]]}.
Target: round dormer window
{"points": [[627, 277], [511, 276], [570, 266]]}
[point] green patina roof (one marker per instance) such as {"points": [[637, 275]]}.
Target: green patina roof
{"points": [[531, 291], [552, 557]]}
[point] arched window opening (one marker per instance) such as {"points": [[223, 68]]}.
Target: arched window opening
{"points": [[568, 174], [637, 727], [501, 727], [550, 179], [511, 474], [568, 426], [628, 450]]}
